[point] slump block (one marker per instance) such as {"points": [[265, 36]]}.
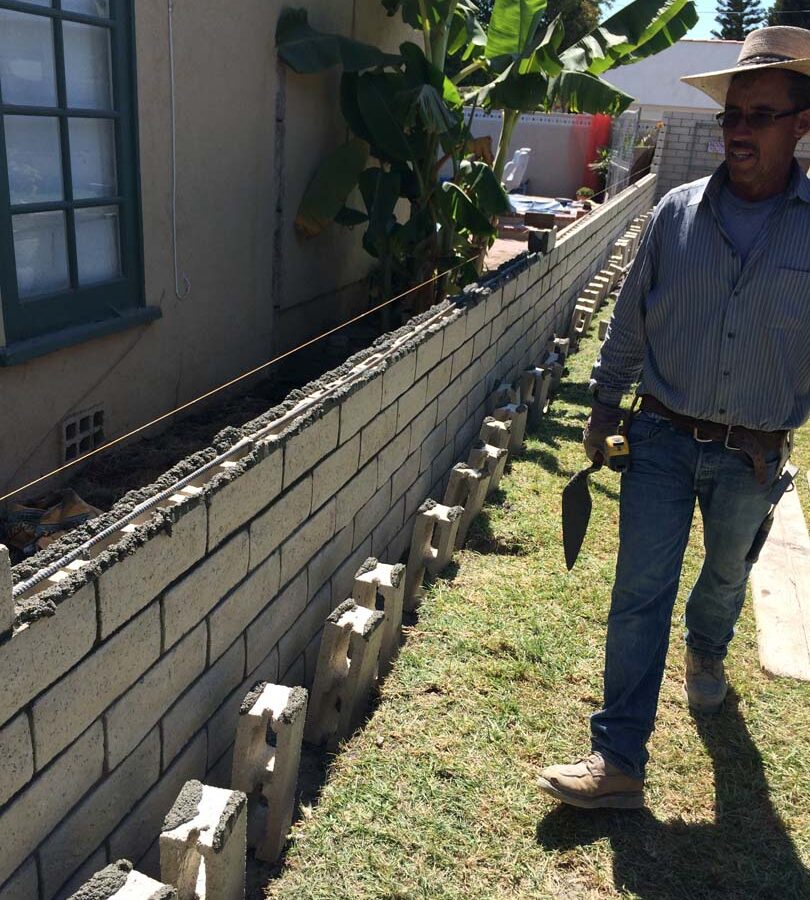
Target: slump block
{"points": [[203, 843], [467, 487], [495, 432], [266, 757], [432, 545], [344, 677], [491, 459], [535, 384], [120, 881], [377, 584], [517, 415]]}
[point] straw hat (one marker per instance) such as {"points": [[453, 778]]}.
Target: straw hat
{"points": [[777, 47]]}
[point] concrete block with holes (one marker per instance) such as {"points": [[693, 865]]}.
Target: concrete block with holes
{"points": [[504, 393], [491, 459], [561, 346], [120, 881], [432, 545], [203, 843], [517, 415], [536, 384], [556, 364], [6, 594], [495, 432], [382, 587], [266, 757], [344, 676], [467, 487]]}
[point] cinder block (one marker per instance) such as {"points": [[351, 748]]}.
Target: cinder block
{"points": [[187, 603], [504, 392], [382, 587], [203, 843], [432, 545], [449, 399], [135, 580], [265, 762], [377, 434], [347, 662], [6, 593], [391, 456], [201, 700], [405, 475], [119, 881], [94, 863], [517, 415], [467, 488], [417, 492], [303, 450], [24, 884], [26, 820], [269, 530], [371, 514], [411, 403], [343, 579], [421, 427], [66, 709], [440, 469], [326, 561], [462, 359], [438, 379], [491, 459], [398, 377], [356, 494], [360, 407], [329, 476], [266, 631], [432, 446], [17, 755], [306, 626], [140, 828], [536, 384], [467, 433], [81, 832], [233, 615], [238, 501], [429, 352], [455, 332], [40, 652], [130, 718], [312, 536], [482, 340], [388, 528]]}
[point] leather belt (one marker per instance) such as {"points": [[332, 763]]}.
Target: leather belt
{"points": [[754, 444]]}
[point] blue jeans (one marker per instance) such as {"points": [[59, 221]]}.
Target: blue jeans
{"points": [[669, 470]]}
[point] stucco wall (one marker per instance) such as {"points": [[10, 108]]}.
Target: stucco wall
{"points": [[132, 685], [690, 146], [249, 136]]}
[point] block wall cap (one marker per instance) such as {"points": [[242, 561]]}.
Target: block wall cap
{"points": [[339, 611], [251, 697], [186, 807], [368, 566]]}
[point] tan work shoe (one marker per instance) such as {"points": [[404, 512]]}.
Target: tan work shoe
{"points": [[593, 783], [704, 686]]}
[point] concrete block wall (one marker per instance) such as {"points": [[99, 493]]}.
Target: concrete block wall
{"points": [[690, 146], [123, 679]]}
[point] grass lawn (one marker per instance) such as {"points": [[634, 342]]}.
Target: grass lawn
{"points": [[437, 797]]}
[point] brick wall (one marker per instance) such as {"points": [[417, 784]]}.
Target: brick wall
{"points": [[691, 147], [123, 679]]}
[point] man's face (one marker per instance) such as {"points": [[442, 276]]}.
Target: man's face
{"points": [[759, 160]]}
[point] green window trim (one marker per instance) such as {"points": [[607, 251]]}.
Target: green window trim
{"points": [[78, 309]]}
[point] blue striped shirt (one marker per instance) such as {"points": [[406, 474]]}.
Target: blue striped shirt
{"points": [[711, 336]]}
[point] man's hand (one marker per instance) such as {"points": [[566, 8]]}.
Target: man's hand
{"points": [[602, 423]]}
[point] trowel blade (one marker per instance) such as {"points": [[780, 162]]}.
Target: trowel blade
{"points": [[576, 513]]}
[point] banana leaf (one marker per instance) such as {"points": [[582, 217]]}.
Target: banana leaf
{"points": [[513, 26], [672, 32], [380, 192], [544, 57], [461, 209], [585, 93], [306, 50], [379, 101], [626, 32], [486, 191], [328, 189], [466, 32]]}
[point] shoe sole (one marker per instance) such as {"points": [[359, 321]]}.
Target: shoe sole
{"points": [[622, 800], [705, 708]]}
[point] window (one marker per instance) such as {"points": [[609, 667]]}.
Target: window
{"points": [[69, 210]]}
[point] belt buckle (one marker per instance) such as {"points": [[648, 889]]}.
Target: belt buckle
{"points": [[726, 443], [697, 437]]}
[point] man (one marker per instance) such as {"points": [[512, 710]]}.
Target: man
{"points": [[715, 318]]}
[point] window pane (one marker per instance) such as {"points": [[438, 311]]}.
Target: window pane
{"points": [[34, 159], [97, 244], [88, 7], [87, 66], [40, 252], [92, 158], [27, 71]]}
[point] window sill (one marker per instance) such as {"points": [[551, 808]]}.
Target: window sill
{"points": [[23, 351]]}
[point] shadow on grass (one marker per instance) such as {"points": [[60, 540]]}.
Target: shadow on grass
{"points": [[745, 853]]}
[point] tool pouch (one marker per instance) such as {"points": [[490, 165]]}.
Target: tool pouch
{"points": [[759, 540], [782, 484]]}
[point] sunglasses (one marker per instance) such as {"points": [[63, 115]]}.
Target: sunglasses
{"points": [[731, 118]]}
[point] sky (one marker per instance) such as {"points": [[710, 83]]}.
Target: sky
{"points": [[706, 10]]}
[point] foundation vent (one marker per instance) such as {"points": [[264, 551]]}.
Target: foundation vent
{"points": [[82, 432]]}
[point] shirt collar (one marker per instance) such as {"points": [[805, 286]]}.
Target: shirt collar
{"points": [[799, 185]]}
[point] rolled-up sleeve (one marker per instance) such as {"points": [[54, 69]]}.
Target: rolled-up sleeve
{"points": [[621, 356]]}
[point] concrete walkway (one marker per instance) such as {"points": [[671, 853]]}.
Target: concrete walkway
{"points": [[781, 586]]}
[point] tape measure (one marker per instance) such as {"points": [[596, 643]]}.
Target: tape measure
{"points": [[617, 453]]}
